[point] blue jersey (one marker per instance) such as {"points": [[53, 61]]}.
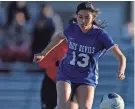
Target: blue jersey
{"points": [[80, 64]]}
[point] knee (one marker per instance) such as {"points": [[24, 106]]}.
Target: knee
{"points": [[85, 106]]}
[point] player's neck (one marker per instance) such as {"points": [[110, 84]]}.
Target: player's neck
{"points": [[87, 29]]}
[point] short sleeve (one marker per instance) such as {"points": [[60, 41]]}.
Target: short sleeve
{"points": [[107, 41]]}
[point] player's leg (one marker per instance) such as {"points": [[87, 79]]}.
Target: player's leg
{"points": [[85, 96], [73, 105], [73, 102], [63, 94], [48, 93]]}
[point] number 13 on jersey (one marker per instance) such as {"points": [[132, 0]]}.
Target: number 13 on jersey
{"points": [[81, 63]]}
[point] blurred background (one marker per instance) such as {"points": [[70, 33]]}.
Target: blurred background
{"points": [[27, 27]]}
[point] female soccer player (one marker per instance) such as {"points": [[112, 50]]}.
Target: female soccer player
{"points": [[78, 70]]}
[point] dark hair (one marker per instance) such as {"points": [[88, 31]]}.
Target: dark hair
{"points": [[87, 6], [95, 11]]}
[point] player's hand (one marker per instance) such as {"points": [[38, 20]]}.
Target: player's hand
{"points": [[38, 57], [121, 76]]}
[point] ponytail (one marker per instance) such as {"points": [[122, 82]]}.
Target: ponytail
{"points": [[101, 24]]}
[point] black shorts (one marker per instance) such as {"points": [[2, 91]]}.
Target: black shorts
{"points": [[48, 93]]}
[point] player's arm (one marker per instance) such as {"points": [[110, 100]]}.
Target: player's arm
{"points": [[109, 44], [122, 60], [55, 42]]}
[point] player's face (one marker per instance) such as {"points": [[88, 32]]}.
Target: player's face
{"points": [[85, 19]]}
